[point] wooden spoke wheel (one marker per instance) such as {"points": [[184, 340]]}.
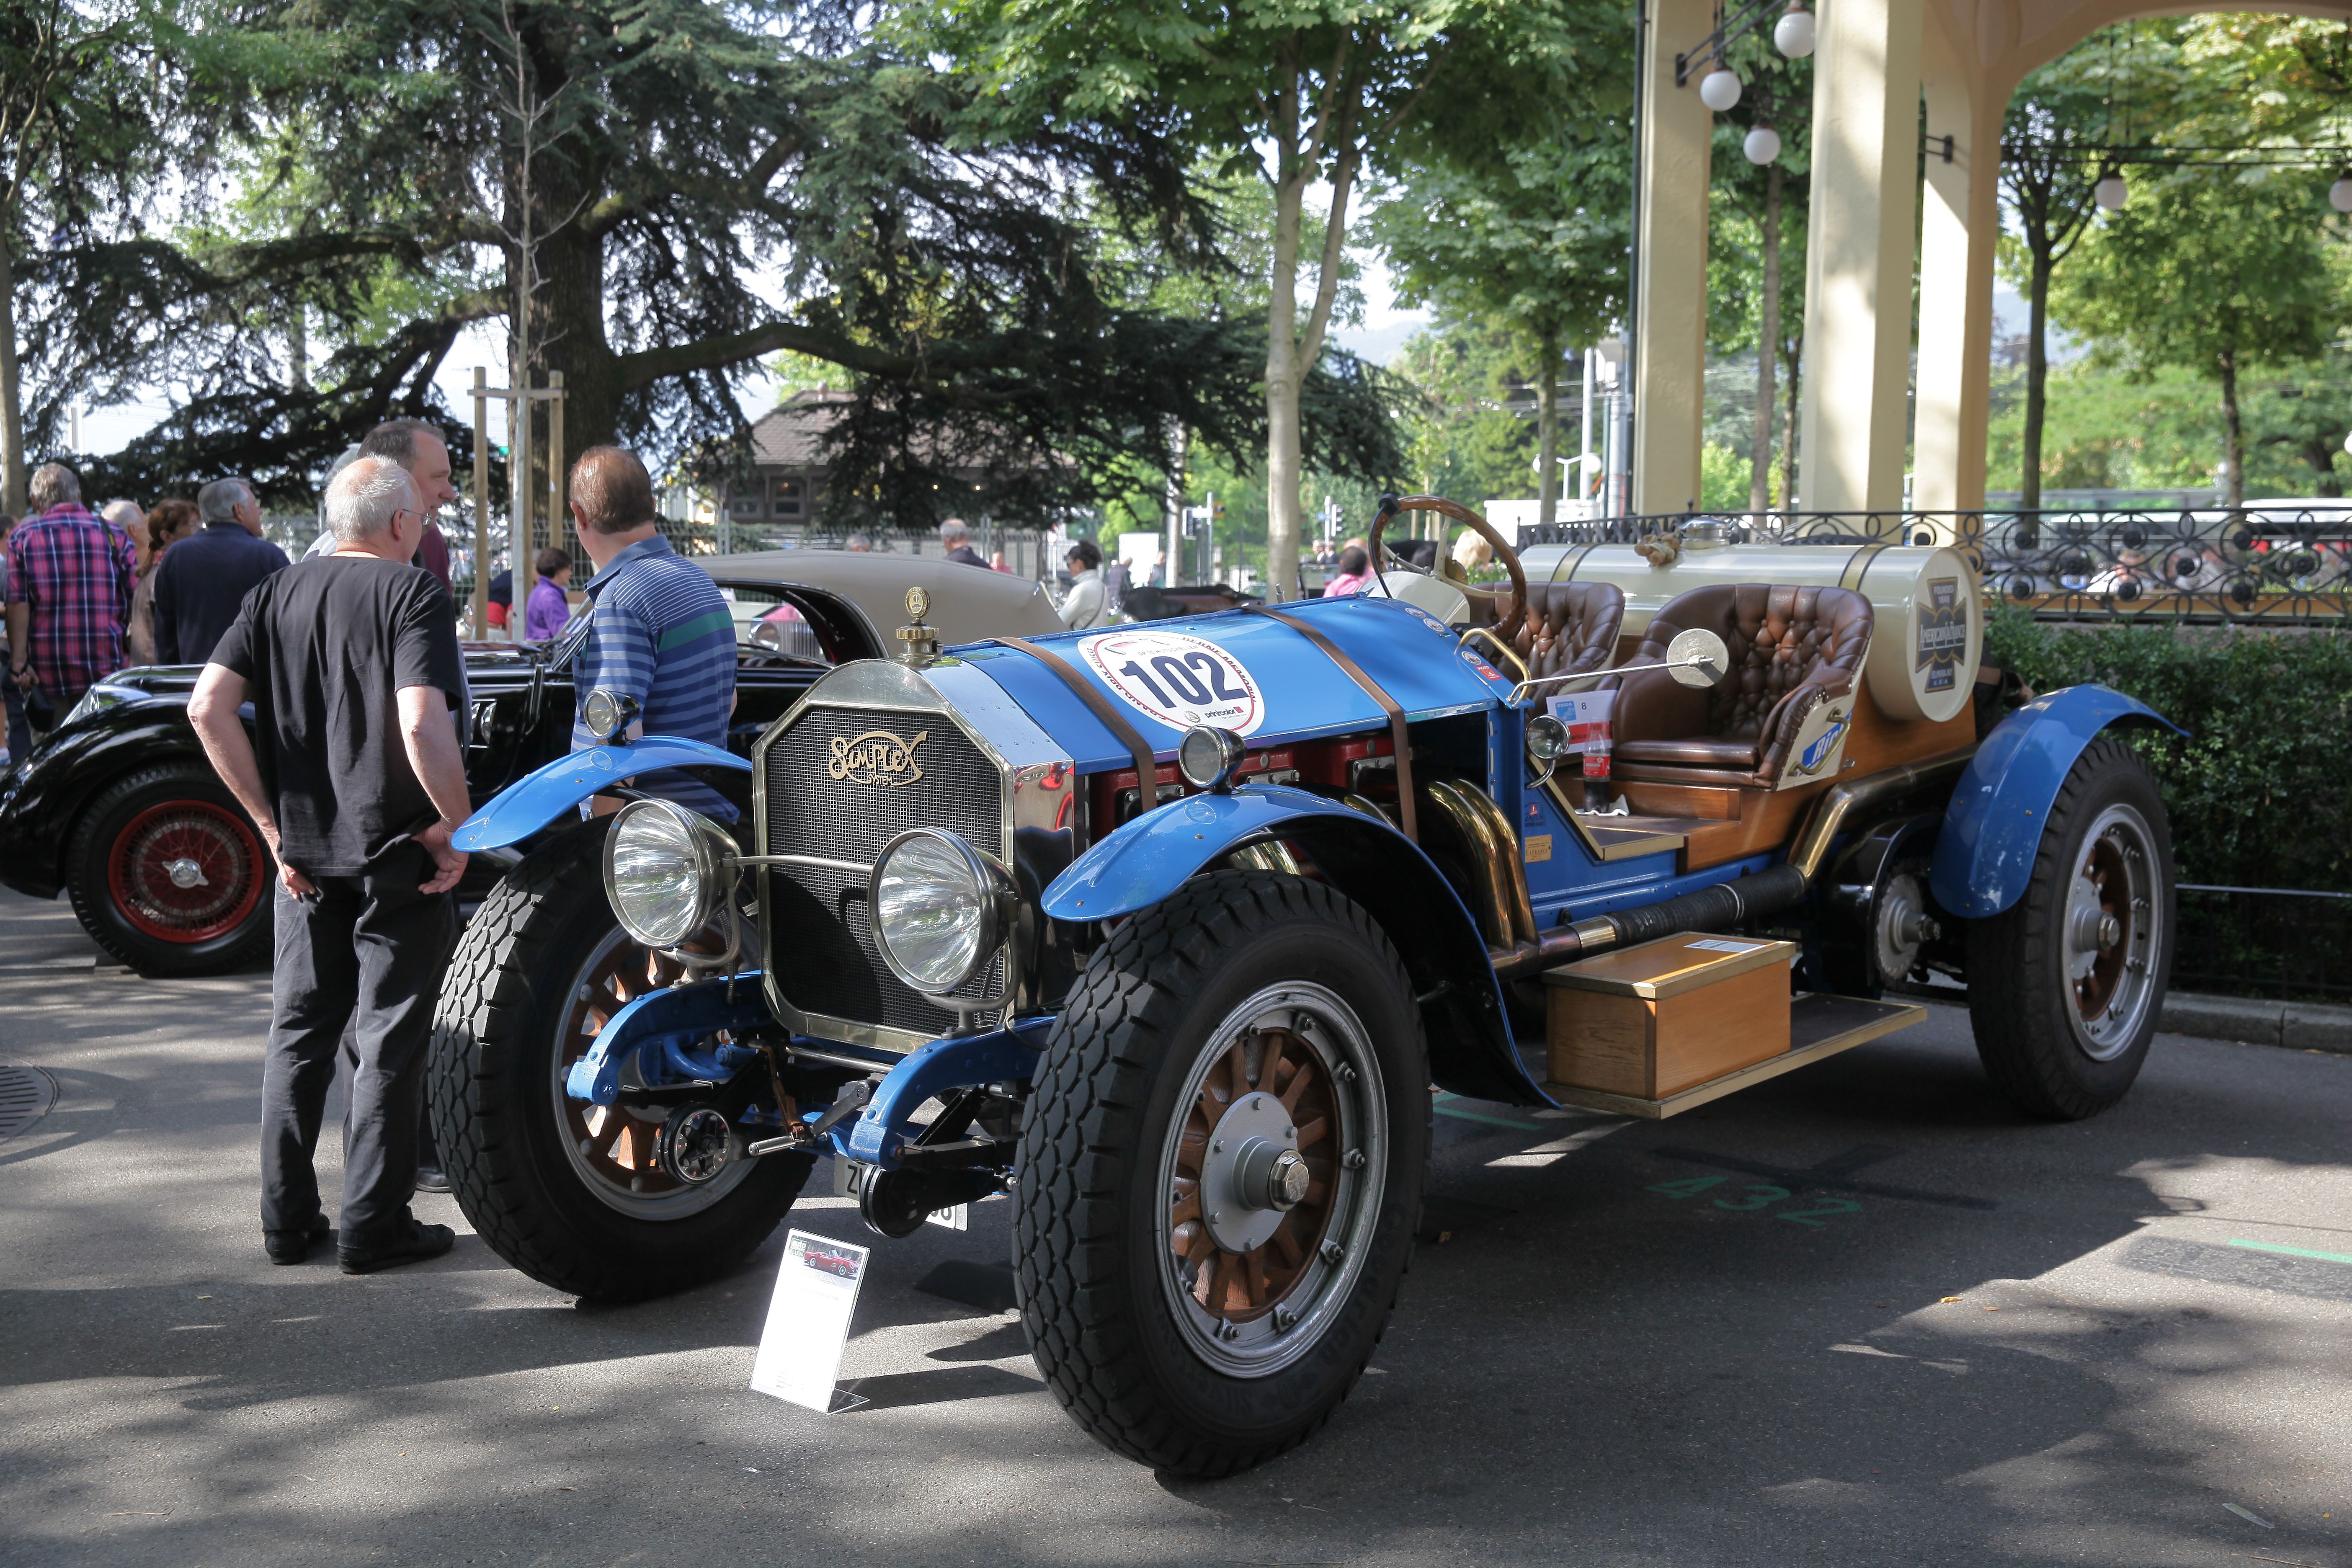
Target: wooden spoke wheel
{"points": [[1234, 1275], [1273, 1175], [613, 1146]]}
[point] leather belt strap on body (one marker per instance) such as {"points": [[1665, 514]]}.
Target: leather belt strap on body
{"points": [[1146, 772], [1373, 689]]}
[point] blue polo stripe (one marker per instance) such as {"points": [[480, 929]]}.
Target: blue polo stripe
{"points": [[660, 632]]}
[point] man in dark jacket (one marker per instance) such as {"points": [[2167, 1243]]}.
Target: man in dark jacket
{"points": [[355, 778], [202, 580], [955, 538]]}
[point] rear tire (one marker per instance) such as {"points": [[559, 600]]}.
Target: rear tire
{"points": [[1202, 1333], [569, 1193], [2063, 1014], [166, 874]]}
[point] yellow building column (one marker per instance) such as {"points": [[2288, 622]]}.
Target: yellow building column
{"points": [[1670, 283], [1958, 231], [1855, 408]]}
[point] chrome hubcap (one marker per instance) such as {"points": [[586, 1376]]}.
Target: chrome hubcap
{"points": [[2111, 934], [185, 874]]}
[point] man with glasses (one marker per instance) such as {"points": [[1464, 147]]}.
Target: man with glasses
{"points": [[355, 778]]}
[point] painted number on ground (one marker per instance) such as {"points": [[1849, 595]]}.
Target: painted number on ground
{"points": [[1758, 1196], [1179, 680]]}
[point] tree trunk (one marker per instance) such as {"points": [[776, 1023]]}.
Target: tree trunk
{"points": [[2234, 432], [1768, 340], [297, 348], [2037, 372], [1547, 428], [12, 406], [1791, 359], [1282, 379], [2320, 453]]}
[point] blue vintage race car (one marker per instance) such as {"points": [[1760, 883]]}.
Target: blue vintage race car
{"points": [[1167, 929]]}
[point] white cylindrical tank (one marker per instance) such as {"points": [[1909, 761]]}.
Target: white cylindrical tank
{"points": [[1927, 626]]}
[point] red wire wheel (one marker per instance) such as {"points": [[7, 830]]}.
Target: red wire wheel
{"points": [[186, 871]]}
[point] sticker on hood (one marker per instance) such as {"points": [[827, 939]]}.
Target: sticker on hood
{"points": [[1178, 680]]}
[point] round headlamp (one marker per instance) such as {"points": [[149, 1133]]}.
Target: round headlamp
{"points": [[666, 870], [938, 908], [607, 714], [1547, 738], [1207, 757]]}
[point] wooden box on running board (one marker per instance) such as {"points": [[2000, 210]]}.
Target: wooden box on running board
{"points": [[1653, 1020]]}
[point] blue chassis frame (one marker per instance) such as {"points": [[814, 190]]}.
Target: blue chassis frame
{"points": [[1982, 862]]}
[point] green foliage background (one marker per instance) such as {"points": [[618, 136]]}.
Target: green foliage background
{"points": [[2260, 792]]}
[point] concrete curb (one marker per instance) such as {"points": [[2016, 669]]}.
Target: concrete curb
{"points": [[2298, 1025]]}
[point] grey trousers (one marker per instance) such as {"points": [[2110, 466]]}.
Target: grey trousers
{"points": [[367, 953]]}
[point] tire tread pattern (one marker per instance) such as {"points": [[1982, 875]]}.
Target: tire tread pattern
{"points": [[486, 1002], [1082, 1130], [221, 953], [2014, 998]]}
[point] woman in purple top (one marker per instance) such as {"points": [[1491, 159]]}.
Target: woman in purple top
{"points": [[547, 609]]}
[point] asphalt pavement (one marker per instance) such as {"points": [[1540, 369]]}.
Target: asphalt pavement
{"points": [[1862, 1314]]}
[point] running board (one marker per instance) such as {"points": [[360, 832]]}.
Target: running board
{"points": [[1819, 1026]]}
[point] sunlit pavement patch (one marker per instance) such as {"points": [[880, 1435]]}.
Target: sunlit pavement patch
{"points": [[2261, 1265]]}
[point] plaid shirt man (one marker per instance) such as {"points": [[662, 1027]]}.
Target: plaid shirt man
{"points": [[76, 572]]}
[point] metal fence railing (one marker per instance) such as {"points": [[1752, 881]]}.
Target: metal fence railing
{"points": [[2272, 942], [2260, 563]]}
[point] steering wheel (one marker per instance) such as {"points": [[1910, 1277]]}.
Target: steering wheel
{"points": [[1508, 627]]}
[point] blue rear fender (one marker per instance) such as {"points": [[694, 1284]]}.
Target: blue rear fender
{"points": [[537, 798], [1992, 825], [1470, 1046]]}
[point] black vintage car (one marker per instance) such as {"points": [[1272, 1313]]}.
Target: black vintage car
{"points": [[119, 808]]}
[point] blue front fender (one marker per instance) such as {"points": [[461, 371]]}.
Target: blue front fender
{"points": [[530, 803], [1153, 856], [1992, 827], [672, 1022], [881, 1132]]}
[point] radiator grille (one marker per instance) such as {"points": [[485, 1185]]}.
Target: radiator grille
{"points": [[818, 944]]}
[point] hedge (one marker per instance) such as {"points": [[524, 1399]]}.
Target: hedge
{"points": [[2260, 792]]}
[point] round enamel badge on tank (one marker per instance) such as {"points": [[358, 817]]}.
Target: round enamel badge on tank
{"points": [[1179, 680]]}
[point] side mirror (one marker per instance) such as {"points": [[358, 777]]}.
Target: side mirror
{"points": [[1697, 658]]}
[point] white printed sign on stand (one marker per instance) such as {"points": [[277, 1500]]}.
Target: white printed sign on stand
{"points": [[808, 1323], [1178, 680]]}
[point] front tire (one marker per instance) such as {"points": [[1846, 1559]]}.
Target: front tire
{"points": [[572, 1194], [166, 874], [1221, 1172], [2066, 985]]}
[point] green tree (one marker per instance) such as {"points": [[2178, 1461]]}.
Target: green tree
{"points": [[1533, 240], [2050, 168], [1756, 243], [1297, 92], [2218, 270], [77, 145], [654, 196]]}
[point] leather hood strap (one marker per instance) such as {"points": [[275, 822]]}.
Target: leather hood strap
{"points": [[1373, 689], [1146, 772]]}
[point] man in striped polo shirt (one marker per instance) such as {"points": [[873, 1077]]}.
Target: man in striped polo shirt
{"points": [[659, 633]]}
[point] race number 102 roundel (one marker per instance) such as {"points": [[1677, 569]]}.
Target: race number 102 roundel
{"points": [[1178, 680]]}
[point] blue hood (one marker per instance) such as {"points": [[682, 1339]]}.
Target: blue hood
{"points": [[1289, 689]]}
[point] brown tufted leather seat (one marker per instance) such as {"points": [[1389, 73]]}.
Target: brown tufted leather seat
{"points": [[1572, 628], [1791, 649]]}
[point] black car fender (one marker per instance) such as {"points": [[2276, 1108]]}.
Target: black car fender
{"points": [[42, 800]]}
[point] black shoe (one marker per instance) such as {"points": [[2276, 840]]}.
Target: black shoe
{"points": [[432, 1179], [406, 1242], [294, 1245]]}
